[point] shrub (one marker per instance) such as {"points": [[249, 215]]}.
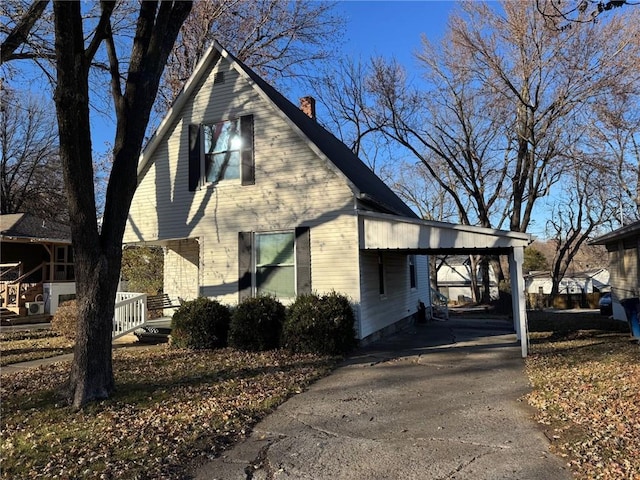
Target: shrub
{"points": [[200, 324], [256, 324], [320, 324], [65, 320]]}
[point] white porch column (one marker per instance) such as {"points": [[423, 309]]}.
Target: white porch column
{"points": [[516, 258]]}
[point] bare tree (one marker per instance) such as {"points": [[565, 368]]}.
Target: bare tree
{"points": [[98, 252], [21, 39], [415, 185], [587, 203], [504, 97], [30, 168], [614, 138], [278, 39], [564, 14]]}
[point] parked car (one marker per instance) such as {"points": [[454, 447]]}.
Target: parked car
{"points": [[605, 304]]}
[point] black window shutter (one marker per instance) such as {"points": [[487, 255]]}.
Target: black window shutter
{"points": [[194, 157], [248, 163], [244, 265], [303, 260]]}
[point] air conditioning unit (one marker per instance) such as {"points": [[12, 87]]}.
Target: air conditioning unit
{"points": [[35, 308]]}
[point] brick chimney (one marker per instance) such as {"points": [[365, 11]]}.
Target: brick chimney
{"points": [[308, 106]]}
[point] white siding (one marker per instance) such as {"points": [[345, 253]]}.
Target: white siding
{"points": [[293, 187], [181, 266], [399, 301]]}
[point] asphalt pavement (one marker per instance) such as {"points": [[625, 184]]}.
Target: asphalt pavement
{"points": [[442, 400]]}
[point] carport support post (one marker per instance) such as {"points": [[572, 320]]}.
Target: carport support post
{"points": [[516, 258]]}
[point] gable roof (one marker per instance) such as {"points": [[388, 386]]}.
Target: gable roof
{"points": [[370, 188], [25, 226]]}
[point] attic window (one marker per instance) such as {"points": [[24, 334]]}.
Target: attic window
{"points": [[222, 144], [221, 151], [218, 77]]}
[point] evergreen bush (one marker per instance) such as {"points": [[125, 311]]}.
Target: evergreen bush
{"points": [[320, 324], [256, 324], [200, 324]]}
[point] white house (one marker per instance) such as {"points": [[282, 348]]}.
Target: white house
{"points": [[454, 278], [589, 281], [249, 194]]}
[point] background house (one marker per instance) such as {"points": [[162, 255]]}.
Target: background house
{"points": [[249, 194], [454, 279], [588, 281], [575, 290], [36, 265], [622, 246]]}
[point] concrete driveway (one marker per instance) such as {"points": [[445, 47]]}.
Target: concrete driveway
{"points": [[438, 401]]}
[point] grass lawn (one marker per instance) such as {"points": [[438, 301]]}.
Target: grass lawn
{"points": [[171, 408], [585, 372]]}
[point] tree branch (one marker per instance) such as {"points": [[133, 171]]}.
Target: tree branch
{"points": [[19, 34]]}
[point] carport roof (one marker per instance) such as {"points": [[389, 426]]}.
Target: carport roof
{"points": [[381, 231]]}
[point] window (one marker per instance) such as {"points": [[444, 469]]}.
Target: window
{"points": [[381, 288], [275, 264], [63, 262], [222, 143], [221, 151], [413, 278], [266, 263]]}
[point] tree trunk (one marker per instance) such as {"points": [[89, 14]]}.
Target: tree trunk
{"points": [[92, 372], [98, 253], [486, 280], [92, 369], [473, 276]]}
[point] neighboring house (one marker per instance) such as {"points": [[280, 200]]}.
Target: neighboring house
{"points": [[36, 265], [589, 281], [249, 194], [454, 279], [623, 246]]}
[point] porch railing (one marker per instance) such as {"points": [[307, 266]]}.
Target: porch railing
{"points": [[130, 313], [439, 305]]}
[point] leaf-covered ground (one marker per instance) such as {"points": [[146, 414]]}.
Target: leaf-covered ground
{"points": [[171, 408], [585, 373], [16, 347]]}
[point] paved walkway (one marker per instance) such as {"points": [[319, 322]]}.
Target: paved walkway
{"points": [[438, 401], [124, 341]]}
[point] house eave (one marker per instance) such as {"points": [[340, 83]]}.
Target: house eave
{"points": [[16, 239], [616, 235]]}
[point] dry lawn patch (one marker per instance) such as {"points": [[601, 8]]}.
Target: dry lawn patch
{"points": [[171, 408], [16, 347], [585, 373]]}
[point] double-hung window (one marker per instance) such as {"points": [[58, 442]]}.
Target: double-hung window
{"points": [[275, 264], [222, 142], [221, 151]]}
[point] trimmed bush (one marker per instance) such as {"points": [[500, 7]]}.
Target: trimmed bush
{"points": [[200, 324], [65, 320], [256, 324], [320, 324]]}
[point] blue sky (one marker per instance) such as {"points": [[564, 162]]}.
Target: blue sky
{"points": [[393, 28]]}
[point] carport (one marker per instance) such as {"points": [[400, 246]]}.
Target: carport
{"points": [[379, 231]]}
